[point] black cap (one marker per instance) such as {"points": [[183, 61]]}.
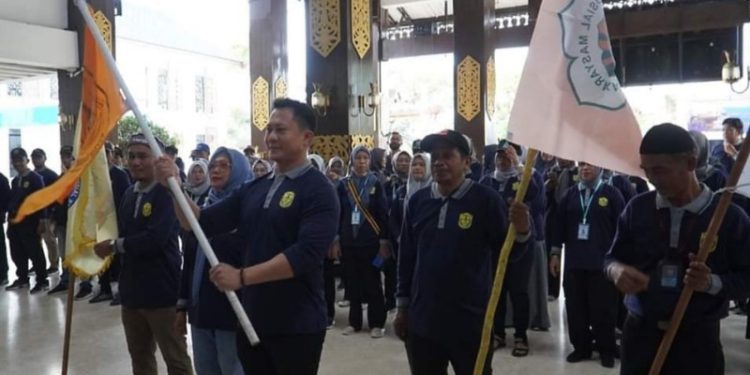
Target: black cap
{"points": [[37, 152], [66, 151], [140, 139], [109, 147], [667, 139], [416, 146], [18, 153], [504, 144], [450, 137]]}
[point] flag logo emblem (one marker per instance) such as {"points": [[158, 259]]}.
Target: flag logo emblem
{"points": [[713, 244], [603, 201], [146, 211], [464, 220], [287, 199], [516, 185], [591, 68]]}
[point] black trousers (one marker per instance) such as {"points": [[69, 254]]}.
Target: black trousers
{"points": [[3, 254], [515, 286], [363, 285], [25, 245], [111, 274], [591, 304], [430, 357], [553, 282], [281, 355], [695, 350], [329, 285], [389, 273]]}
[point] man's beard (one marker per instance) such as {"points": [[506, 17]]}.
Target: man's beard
{"points": [[394, 147]]}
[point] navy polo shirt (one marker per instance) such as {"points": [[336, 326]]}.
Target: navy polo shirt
{"points": [[534, 198], [295, 214], [49, 176], [645, 235], [378, 208], [20, 188], [606, 206], [150, 275], [445, 261], [4, 197]]}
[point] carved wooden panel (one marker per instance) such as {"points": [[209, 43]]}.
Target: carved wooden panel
{"points": [[491, 87], [468, 92], [280, 88], [325, 25], [261, 105], [329, 146], [364, 140], [104, 26], [361, 31]]}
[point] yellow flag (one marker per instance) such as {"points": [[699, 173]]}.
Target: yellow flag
{"points": [[91, 216]]}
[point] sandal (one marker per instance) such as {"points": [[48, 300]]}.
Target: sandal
{"points": [[498, 342], [520, 347]]}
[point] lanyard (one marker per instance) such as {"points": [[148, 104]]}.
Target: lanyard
{"points": [[585, 206], [362, 187]]}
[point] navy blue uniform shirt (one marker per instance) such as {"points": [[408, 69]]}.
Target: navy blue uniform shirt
{"points": [[445, 260], [378, 208], [4, 197], [535, 197], [20, 188], [299, 218], [120, 183], [605, 207], [645, 237], [150, 275]]}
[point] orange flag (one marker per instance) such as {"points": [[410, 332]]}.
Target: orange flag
{"points": [[102, 105]]}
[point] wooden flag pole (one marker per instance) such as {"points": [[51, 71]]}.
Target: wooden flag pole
{"points": [[68, 323], [705, 249], [497, 284]]}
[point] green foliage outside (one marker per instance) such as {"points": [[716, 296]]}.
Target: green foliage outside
{"points": [[128, 125]]}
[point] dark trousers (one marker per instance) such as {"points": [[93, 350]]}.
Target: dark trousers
{"points": [[431, 357], [553, 282], [591, 304], [389, 273], [515, 286], [363, 285], [329, 285], [3, 254], [696, 348], [25, 245], [281, 355], [111, 274]]}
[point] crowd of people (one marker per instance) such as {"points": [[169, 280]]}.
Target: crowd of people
{"points": [[412, 236]]}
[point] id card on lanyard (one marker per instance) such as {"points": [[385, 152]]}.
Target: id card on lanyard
{"points": [[356, 214], [583, 227]]}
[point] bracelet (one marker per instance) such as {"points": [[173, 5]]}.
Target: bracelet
{"points": [[242, 280]]}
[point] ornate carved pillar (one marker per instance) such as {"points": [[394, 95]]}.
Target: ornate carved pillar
{"points": [[69, 85], [268, 61], [474, 73]]}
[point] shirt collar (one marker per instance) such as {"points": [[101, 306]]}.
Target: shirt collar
{"points": [[458, 194], [696, 206], [295, 172], [138, 187]]}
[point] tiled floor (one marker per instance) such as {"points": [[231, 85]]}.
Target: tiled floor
{"points": [[31, 335]]}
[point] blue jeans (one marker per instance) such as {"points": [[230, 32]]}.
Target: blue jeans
{"points": [[215, 352]]}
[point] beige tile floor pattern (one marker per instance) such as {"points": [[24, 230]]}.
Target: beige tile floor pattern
{"points": [[32, 326]]}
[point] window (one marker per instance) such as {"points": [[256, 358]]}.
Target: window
{"points": [[54, 88], [200, 94], [209, 101], [15, 88], [162, 81]]}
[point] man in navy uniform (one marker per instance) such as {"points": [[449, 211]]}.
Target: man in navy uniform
{"points": [[585, 223], [288, 220], [726, 153], [25, 237], [39, 159], [451, 234], [4, 197], [150, 274], [652, 259]]}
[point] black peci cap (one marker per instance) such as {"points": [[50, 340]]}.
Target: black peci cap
{"points": [[38, 152], [450, 137], [667, 139], [18, 153]]}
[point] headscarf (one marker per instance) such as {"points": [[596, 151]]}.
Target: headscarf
{"points": [[703, 169], [317, 161], [376, 158], [503, 176], [395, 158], [268, 165], [412, 186], [200, 189], [239, 174], [334, 160], [363, 184]]}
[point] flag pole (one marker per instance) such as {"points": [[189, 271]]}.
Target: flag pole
{"points": [[174, 186], [703, 253], [497, 284], [68, 323]]}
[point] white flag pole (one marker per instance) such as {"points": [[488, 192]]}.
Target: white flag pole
{"points": [[174, 186]]}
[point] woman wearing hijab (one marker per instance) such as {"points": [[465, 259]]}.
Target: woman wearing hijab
{"points": [[363, 242], [212, 320], [317, 162], [197, 184], [261, 168], [377, 163], [506, 179], [335, 171]]}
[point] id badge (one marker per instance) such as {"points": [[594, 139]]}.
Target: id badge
{"points": [[583, 232], [669, 275], [356, 217]]}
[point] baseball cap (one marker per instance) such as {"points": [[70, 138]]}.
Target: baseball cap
{"points": [[18, 153], [202, 147], [140, 139], [450, 137], [504, 144], [66, 151], [37, 152]]}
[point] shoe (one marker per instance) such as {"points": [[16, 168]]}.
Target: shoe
{"points": [[61, 287], [551, 298], [349, 331], [3, 282], [539, 329], [377, 333], [331, 323], [18, 284], [578, 356], [52, 270], [101, 297], [343, 304], [32, 271], [84, 291], [40, 286], [608, 361], [115, 300], [498, 342]]}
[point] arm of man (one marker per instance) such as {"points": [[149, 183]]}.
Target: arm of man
{"points": [[159, 230], [735, 283], [626, 278], [407, 261]]}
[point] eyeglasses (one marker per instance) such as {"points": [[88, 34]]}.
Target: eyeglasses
{"points": [[224, 166]]}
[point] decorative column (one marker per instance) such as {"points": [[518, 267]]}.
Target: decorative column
{"points": [[474, 68], [69, 84], [342, 63], [268, 62]]}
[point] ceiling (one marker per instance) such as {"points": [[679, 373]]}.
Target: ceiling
{"points": [[417, 9]]}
